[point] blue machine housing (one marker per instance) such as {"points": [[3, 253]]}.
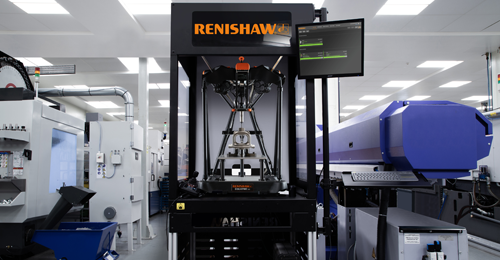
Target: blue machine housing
{"points": [[440, 139]]}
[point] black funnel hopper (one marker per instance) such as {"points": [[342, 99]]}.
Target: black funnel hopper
{"points": [[70, 196]]}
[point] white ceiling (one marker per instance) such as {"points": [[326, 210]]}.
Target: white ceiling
{"points": [[97, 31]]}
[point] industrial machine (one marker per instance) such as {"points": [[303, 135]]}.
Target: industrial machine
{"points": [[41, 155], [115, 161], [241, 88], [155, 155]]}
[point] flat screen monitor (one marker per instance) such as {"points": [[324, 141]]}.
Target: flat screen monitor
{"points": [[331, 49], [62, 160]]}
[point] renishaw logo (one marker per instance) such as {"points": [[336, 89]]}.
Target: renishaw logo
{"points": [[228, 29]]}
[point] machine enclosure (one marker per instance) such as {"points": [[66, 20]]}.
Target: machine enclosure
{"points": [[408, 234], [440, 139], [124, 191]]}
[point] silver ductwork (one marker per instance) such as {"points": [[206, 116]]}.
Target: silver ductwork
{"points": [[111, 91]]}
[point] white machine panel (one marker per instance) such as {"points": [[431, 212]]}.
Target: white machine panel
{"points": [[117, 181], [55, 140]]}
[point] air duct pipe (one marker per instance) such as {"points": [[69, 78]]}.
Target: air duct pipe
{"points": [[80, 92]]}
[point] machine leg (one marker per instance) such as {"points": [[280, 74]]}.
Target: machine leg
{"points": [[174, 246], [261, 170], [315, 245], [139, 232], [130, 232], [170, 246], [222, 170], [309, 246]]}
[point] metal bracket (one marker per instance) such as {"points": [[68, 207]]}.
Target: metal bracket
{"points": [[131, 197], [131, 180]]}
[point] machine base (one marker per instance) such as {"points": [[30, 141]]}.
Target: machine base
{"points": [[247, 184]]}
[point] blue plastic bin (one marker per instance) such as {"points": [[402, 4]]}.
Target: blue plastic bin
{"points": [[79, 240]]}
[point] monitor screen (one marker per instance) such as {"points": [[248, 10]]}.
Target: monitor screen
{"points": [[331, 49], [62, 160]]}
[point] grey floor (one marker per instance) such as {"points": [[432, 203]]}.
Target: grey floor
{"points": [[156, 248]]}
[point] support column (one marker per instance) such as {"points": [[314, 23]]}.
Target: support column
{"points": [[495, 76], [143, 105]]}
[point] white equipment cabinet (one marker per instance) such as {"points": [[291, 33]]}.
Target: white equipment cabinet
{"points": [[155, 153], [55, 141], [117, 181]]}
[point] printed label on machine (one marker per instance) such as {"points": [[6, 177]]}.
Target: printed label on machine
{"points": [[412, 239], [18, 163], [242, 187]]}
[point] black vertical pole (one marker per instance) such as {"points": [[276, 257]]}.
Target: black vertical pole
{"points": [[311, 140], [173, 141]]}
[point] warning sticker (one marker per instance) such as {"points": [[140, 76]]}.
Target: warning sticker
{"points": [[412, 239], [242, 187], [181, 206]]}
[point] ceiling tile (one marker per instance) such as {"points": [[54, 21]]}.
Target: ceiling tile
{"points": [[471, 23], [442, 7], [429, 23], [388, 23], [21, 22], [6, 7], [60, 22], [493, 28], [154, 23], [486, 7], [105, 64], [164, 63]]}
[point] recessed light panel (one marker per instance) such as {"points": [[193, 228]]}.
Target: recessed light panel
{"points": [[399, 84], [454, 84], [344, 114], [163, 85], [298, 114], [476, 98], [116, 113], [354, 107], [182, 114], [135, 7], [152, 86], [418, 98], [34, 62], [132, 64], [40, 7], [373, 97], [403, 7], [439, 64], [164, 103], [102, 104], [300, 107]]}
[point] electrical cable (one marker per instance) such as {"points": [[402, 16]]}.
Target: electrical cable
{"points": [[114, 171], [442, 206], [354, 252], [347, 257], [475, 199]]}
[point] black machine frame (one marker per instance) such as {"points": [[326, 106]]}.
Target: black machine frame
{"points": [[295, 216]]}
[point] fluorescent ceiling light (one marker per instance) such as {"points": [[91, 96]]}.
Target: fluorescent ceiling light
{"points": [[454, 84], [418, 98], [150, 127], [354, 107], [399, 84], [373, 97], [403, 7], [132, 64], [164, 103], [152, 86], [40, 7], [163, 85], [153, 66], [102, 104], [344, 114], [136, 122], [304, 98], [134, 7], [34, 62], [476, 98], [182, 114], [439, 64], [300, 107], [317, 3], [298, 114], [186, 83], [179, 65], [116, 113]]}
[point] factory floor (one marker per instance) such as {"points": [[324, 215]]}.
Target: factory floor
{"points": [[156, 248]]}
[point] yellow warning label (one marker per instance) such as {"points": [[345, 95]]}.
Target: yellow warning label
{"points": [[181, 206]]}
